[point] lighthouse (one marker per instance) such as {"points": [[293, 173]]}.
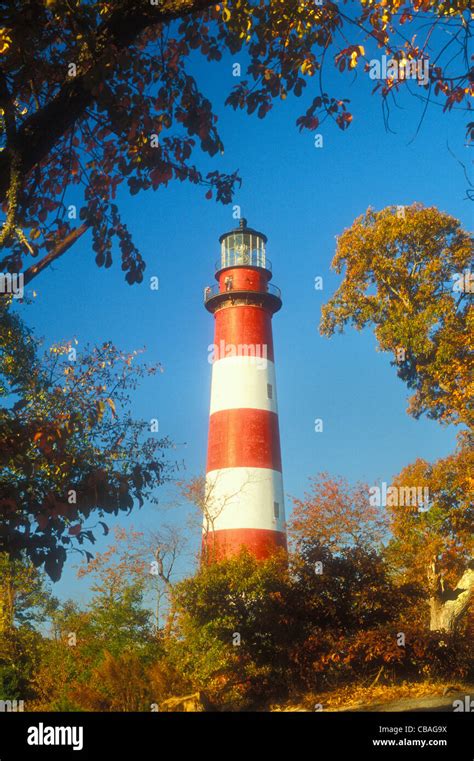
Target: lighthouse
{"points": [[243, 501]]}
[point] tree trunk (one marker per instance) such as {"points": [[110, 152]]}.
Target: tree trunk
{"points": [[448, 607]]}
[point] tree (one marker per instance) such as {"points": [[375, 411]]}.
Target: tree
{"points": [[80, 664], [345, 591], [70, 448], [250, 631], [203, 494], [348, 608], [25, 602], [433, 547], [407, 275], [233, 636], [67, 653], [146, 560], [108, 651], [167, 546], [118, 683], [355, 596], [119, 575], [95, 94], [336, 515], [342, 585]]}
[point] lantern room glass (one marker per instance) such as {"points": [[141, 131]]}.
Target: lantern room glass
{"points": [[241, 248]]}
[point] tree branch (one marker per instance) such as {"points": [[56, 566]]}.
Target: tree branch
{"points": [[7, 108], [40, 132], [56, 252]]}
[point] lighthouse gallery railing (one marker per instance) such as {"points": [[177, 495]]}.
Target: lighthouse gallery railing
{"points": [[215, 290]]}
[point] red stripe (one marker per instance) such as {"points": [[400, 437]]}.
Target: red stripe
{"points": [[243, 325], [244, 279], [226, 543], [243, 438]]}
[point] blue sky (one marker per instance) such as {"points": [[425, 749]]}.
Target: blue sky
{"points": [[301, 197]]}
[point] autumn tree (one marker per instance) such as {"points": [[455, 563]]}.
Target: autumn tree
{"points": [[107, 657], [88, 648], [354, 594], [99, 95], [348, 608], [142, 560], [67, 653], [118, 580], [407, 275], [433, 546], [342, 584], [118, 683], [92, 652], [336, 515], [71, 451]]}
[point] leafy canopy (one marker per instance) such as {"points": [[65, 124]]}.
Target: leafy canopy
{"points": [[407, 276], [95, 96], [442, 534], [70, 449]]}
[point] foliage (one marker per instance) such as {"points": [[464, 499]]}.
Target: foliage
{"points": [[116, 684], [118, 620], [335, 597], [336, 515], [20, 657], [349, 591], [425, 655], [233, 634], [25, 603], [442, 532], [91, 650], [289, 619], [243, 633], [25, 598], [69, 446], [401, 272], [146, 559], [99, 95]]}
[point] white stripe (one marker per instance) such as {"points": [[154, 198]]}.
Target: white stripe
{"points": [[244, 498], [243, 382]]}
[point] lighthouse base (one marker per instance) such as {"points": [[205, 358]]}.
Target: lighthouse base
{"points": [[227, 543]]}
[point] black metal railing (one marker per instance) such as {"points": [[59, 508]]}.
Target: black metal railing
{"points": [[214, 290]]}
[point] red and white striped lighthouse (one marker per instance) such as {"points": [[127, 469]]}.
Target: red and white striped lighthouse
{"points": [[244, 504]]}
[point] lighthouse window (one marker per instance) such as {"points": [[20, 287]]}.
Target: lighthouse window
{"points": [[269, 391], [276, 510]]}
